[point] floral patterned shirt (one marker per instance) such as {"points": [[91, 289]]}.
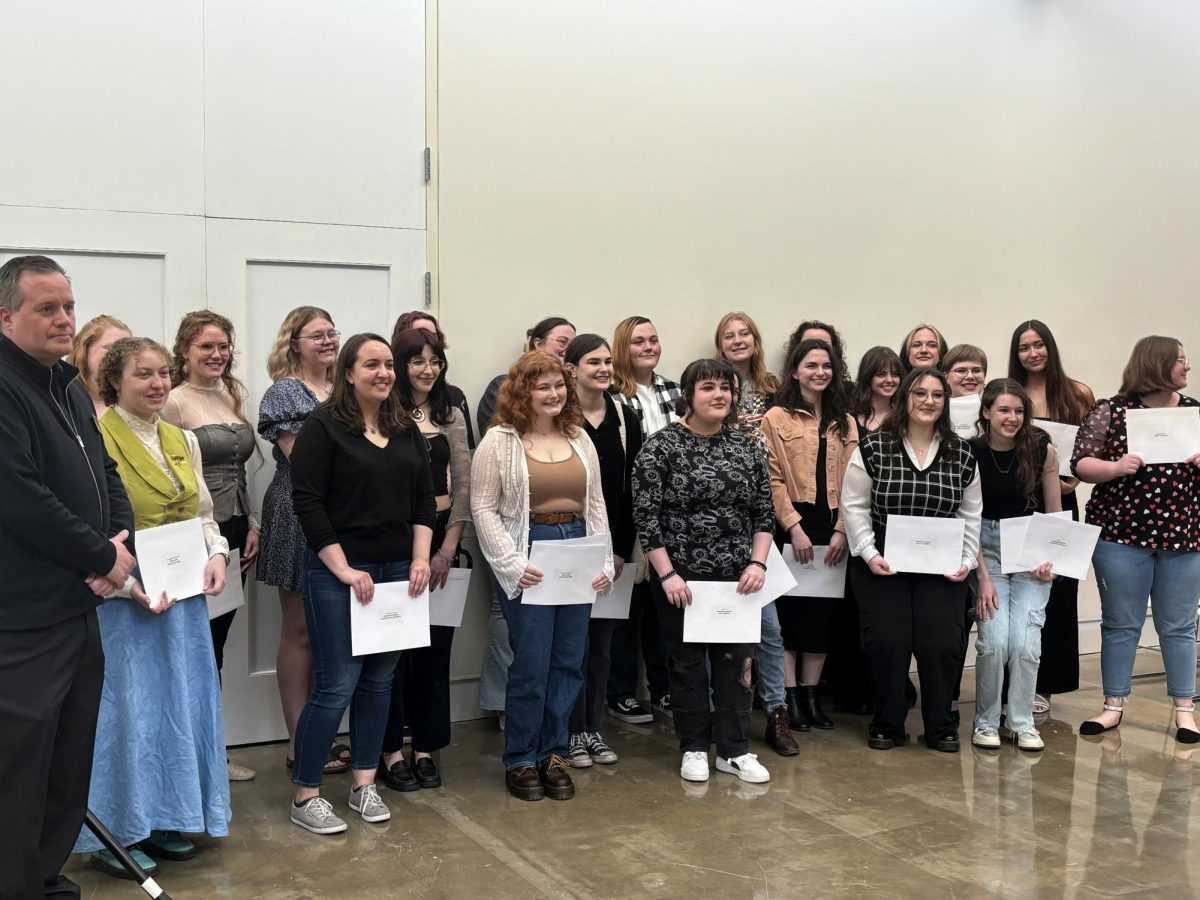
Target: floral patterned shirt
{"points": [[1158, 506]]}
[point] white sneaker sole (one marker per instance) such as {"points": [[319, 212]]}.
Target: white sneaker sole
{"points": [[377, 817], [579, 762], [328, 829], [993, 744], [729, 768], [694, 776], [605, 759]]}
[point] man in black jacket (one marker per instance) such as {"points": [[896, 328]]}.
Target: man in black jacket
{"points": [[64, 520]]}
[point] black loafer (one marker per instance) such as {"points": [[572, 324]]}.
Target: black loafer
{"points": [[399, 777], [878, 740], [426, 772], [947, 743]]}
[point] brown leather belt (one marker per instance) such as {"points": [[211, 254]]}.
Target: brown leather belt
{"points": [[554, 518]]}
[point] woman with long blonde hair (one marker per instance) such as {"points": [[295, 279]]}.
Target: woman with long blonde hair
{"points": [[738, 342]]}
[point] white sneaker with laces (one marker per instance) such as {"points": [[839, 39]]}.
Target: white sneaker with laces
{"points": [[695, 766], [316, 815], [577, 751], [366, 802], [988, 738], [1030, 739], [746, 767]]}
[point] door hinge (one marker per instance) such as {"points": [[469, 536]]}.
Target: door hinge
{"points": [[428, 165], [429, 289]]}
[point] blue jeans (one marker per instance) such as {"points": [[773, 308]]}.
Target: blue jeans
{"points": [[1012, 637], [546, 672], [340, 679], [1126, 576], [493, 679], [769, 657]]}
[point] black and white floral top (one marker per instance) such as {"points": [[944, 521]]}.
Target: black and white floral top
{"points": [[1158, 506], [703, 498]]}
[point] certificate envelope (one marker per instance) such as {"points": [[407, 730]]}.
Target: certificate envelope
{"points": [[779, 578], [568, 568], [1012, 539], [446, 604], [1065, 544], [815, 579], [1164, 435], [1063, 438], [964, 417], [615, 604], [233, 596], [924, 544], [720, 615], [391, 621], [172, 558]]}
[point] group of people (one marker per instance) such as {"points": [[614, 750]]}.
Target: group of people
{"points": [[378, 474]]}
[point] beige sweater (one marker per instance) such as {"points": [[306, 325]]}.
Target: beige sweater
{"points": [[500, 502]]}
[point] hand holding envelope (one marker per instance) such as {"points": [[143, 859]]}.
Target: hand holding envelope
{"points": [[1163, 435], [924, 544], [567, 571]]}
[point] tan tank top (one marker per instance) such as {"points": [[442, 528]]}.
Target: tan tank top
{"points": [[556, 486]]}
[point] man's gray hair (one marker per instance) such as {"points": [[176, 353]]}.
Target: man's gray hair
{"points": [[10, 277]]}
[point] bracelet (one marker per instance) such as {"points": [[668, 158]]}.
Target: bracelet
{"points": [[443, 555], [671, 574], [755, 562]]}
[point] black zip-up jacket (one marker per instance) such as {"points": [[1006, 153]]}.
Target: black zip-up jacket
{"points": [[60, 496]]}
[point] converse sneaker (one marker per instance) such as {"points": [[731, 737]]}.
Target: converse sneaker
{"points": [[317, 816], [577, 752], [662, 706], [599, 751], [988, 738], [1030, 739], [365, 801], [629, 710], [695, 766], [746, 767]]}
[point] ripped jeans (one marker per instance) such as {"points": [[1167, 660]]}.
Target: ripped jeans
{"points": [[730, 688], [1012, 637]]}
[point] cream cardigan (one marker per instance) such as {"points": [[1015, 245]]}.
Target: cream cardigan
{"points": [[500, 502]]}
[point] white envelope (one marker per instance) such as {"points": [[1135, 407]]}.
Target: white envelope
{"points": [[1063, 438], [779, 577], [1065, 544], [924, 544], [615, 604], [964, 416], [720, 615], [1012, 539], [233, 596], [568, 568], [446, 604], [172, 558], [815, 579], [1163, 435], [391, 621]]}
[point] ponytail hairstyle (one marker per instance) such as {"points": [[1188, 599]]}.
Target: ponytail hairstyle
{"points": [[623, 379], [1066, 399], [1029, 438], [539, 332], [581, 345]]}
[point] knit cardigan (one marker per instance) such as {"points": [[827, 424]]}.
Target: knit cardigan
{"points": [[500, 502]]}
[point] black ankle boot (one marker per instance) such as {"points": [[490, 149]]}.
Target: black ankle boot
{"points": [[797, 721], [811, 708]]}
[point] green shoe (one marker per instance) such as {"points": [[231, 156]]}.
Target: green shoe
{"points": [[169, 845], [110, 865]]}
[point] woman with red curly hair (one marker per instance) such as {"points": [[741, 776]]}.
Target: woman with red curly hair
{"points": [[536, 477]]}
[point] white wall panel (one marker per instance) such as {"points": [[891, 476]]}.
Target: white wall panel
{"points": [[103, 104], [315, 111]]}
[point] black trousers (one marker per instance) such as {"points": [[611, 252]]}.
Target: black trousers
{"points": [[50, 684], [642, 628], [421, 695], [846, 668], [588, 713], [234, 530], [688, 678], [903, 615]]}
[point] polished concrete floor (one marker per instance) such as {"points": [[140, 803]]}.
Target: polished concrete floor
{"points": [[1108, 818]]}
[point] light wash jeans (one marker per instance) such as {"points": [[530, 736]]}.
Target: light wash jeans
{"points": [[493, 680], [1011, 637], [769, 656], [1126, 577]]}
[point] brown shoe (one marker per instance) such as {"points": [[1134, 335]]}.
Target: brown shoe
{"points": [[779, 733], [524, 783], [557, 783]]}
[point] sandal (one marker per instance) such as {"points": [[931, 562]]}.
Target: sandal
{"points": [[1041, 704], [335, 765], [1091, 727], [1184, 735]]}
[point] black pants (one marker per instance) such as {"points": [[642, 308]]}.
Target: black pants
{"points": [[903, 615], [421, 695], [50, 683], [688, 678], [234, 530], [847, 665], [642, 628], [589, 708]]}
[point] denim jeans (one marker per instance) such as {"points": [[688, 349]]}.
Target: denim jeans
{"points": [[769, 657], [1126, 576], [340, 679], [493, 679], [1012, 637], [545, 676]]}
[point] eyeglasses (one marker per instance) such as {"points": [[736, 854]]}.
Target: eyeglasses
{"points": [[321, 337], [209, 348], [921, 395], [963, 371], [417, 365]]}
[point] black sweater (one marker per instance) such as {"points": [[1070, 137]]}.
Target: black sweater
{"points": [[347, 491], [616, 472], [62, 500]]}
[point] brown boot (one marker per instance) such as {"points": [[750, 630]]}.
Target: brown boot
{"points": [[524, 783], [555, 780], [779, 733]]}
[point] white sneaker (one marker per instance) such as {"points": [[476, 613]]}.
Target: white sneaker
{"points": [[695, 766], [746, 767], [316, 815], [1030, 739], [988, 738], [366, 802]]}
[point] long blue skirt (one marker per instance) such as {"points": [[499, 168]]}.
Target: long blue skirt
{"points": [[160, 739]]}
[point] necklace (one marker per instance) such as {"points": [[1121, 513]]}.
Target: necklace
{"points": [[996, 463], [417, 414], [371, 429]]}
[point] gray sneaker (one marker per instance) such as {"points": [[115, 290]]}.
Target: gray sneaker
{"points": [[365, 801], [317, 816]]}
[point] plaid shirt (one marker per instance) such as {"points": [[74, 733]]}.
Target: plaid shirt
{"points": [[666, 391]]}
